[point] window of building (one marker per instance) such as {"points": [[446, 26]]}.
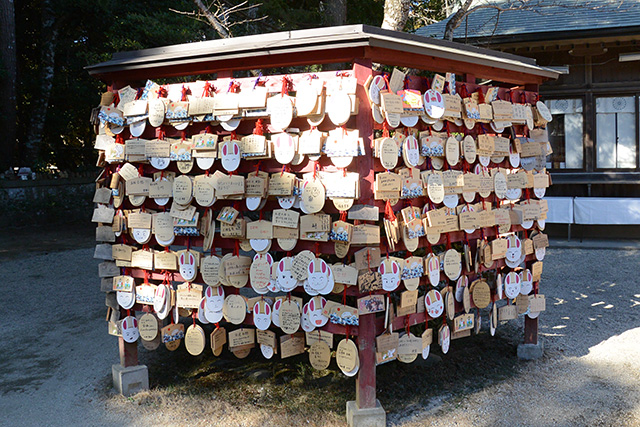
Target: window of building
{"points": [[566, 133], [616, 132]]}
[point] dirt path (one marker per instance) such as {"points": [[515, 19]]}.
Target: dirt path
{"points": [[55, 349], [57, 357], [590, 375]]}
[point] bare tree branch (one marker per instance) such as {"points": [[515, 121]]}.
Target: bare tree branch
{"points": [[213, 19], [220, 15], [456, 19]]}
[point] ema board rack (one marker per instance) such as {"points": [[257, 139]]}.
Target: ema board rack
{"points": [[358, 215]]}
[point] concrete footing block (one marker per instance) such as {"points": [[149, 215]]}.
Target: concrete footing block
{"points": [[130, 380], [366, 417], [530, 351]]}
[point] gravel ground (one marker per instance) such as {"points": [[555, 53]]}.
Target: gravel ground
{"points": [[58, 355], [590, 375]]}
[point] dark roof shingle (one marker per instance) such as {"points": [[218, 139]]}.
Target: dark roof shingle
{"points": [[527, 17]]}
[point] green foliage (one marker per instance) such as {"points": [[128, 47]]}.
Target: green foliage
{"points": [[365, 12], [91, 31], [88, 32]]}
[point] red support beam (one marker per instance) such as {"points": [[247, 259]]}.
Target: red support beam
{"points": [[366, 381], [530, 330]]}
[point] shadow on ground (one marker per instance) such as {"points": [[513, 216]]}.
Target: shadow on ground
{"points": [[292, 386]]}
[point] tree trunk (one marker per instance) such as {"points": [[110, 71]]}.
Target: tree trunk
{"points": [[456, 20], [38, 113], [396, 13], [8, 83], [336, 12]]}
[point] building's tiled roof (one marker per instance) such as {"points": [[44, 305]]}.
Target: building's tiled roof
{"points": [[553, 16]]}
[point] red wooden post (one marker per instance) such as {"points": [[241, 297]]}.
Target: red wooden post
{"points": [[530, 330], [362, 71], [128, 353], [366, 381], [531, 325]]}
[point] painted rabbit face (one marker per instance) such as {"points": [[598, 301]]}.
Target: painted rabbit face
{"points": [[316, 306], [445, 338], [159, 298], [539, 192], [141, 235], [514, 158], [275, 313], [514, 193], [262, 315], [285, 280], [187, 263], [412, 150], [202, 310], [463, 282], [266, 256], [433, 267], [214, 298], [390, 272], [230, 156], [526, 282], [514, 249], [434, 303], [284, 148], [330, 283], [130, 331], [318, 275], [512, 285], [434, 103], [126, 299], [305, 320], [273, 284]]}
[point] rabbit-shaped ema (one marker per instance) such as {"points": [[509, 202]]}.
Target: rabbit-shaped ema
{"points": [[412, 151], [230, 156], [512, 285], [130, 332], [434, 304], [187, 264], [316, 307], [285, 279], [305, 319], [390, 272], [318, 274], [284, 148], [514, 249], [262, 315]]}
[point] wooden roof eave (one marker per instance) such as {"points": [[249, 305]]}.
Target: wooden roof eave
{"points": [[442, 59], [212, 64], [319, 46]]}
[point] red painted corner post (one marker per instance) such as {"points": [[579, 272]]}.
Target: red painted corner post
{"points": [[128, 351], [531, 325], [530, 330], [366, 381]]}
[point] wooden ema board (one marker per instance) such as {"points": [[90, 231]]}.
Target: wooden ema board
{"points": [[370, 325]]}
